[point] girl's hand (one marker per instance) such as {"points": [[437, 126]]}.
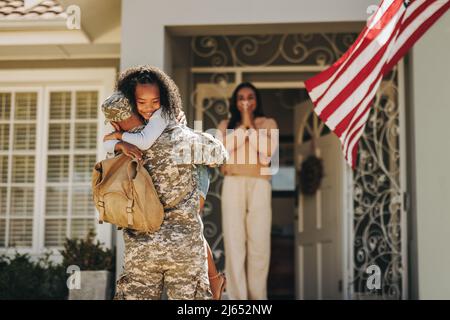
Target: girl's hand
{"points": [[129, 150], [116, 135]]}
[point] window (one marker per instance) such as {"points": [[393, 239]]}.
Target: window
{"points": [[50, 125], [48, 147], [71, 155], [18, 123]]}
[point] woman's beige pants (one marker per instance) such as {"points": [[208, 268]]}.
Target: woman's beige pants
{"points": [[246, 224]]}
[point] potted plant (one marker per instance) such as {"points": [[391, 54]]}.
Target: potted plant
{"points": [[91, 267]]}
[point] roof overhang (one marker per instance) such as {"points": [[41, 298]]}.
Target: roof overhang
{"points": [[44, 39]]}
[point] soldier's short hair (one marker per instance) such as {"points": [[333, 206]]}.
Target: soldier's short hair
{"points": [[117, 107]]}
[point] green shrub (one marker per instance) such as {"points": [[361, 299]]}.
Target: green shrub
{"points": [[22, 278], [87, 254]]}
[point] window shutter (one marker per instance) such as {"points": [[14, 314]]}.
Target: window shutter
{"points": [[4, 136], [72, 149], [23, 169], [3, 169], [70, 155], [86, 105], [3, 200], [58, 168], [60, 105], [2, 232], [22, 202], [82, 204], [18, 120], [26, 106], [59, 136], [85, 135], [20, 233], [81, 227], [55, 232], [5, 115], [5, 106]]}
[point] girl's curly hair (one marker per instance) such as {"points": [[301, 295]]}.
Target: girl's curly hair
{"points": [[171, 104]]}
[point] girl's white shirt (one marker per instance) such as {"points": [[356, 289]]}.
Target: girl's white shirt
{"points": [[143, 139]]}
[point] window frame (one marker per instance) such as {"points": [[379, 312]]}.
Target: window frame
{"points": [[10, 153], [45, 81]]}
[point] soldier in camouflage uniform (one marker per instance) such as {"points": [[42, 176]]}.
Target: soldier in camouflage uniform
{"points": [[173, 257]]}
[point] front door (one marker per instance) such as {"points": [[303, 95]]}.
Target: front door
{"points": [[320, 254]]}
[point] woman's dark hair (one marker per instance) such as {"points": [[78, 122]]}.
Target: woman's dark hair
{"points": [[127, 85], [234, 111]]}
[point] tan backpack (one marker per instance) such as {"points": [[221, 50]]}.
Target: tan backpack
{"points": [[124, 194]]}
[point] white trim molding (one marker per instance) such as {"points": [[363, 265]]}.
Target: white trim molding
{"points": [[65, 36], [98, 76], [33, 24]]}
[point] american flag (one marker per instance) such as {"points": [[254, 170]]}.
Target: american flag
{"points": [[343, 93]]}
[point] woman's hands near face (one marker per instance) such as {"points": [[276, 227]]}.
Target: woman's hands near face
{"points": [[247, 116], [246, 103], [129, 150]]}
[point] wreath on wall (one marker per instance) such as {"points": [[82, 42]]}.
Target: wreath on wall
{"points": [[311, 174]]}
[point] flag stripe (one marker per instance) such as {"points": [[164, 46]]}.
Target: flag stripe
{"points": [[361, 120], [369, 95], [345, 125], [354, 147], [419, 17], [343, 94], [401, 51], [348, 148], [413, 7], [358, 63], [413, 14], [340, 107], [363, 47]]}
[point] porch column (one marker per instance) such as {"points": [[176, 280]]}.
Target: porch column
{"points": [[430, 108]]}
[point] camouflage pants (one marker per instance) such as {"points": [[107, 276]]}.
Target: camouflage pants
{"points": [[174, 258], [146, 274]]}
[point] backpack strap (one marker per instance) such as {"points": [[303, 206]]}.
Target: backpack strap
{"points": [[101, 209], [130, 212]]}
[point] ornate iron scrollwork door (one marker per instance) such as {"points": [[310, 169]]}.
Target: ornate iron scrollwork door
{"points": [[378, 217]]}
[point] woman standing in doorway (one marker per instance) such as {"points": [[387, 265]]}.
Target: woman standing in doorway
{"points": [[246, 194]]}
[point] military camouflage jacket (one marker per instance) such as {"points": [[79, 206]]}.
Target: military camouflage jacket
{"points": [[172, 158]]}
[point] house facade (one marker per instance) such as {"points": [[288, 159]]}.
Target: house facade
{"points": [[388, 215]]}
